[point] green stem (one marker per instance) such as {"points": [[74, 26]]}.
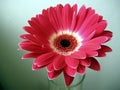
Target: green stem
{"points": [[68, 88]]}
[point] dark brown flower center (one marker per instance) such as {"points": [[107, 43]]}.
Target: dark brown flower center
{"points": [[65, 43]]}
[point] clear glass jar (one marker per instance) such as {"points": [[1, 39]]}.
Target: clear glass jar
{"points": [[58, 83]]}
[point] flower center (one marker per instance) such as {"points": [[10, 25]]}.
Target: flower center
{"points": [[65, 42]]}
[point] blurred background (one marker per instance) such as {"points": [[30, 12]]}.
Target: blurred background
{"points": [[16, 74]]}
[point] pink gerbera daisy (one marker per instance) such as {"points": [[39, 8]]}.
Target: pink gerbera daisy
{"points": [[63, 39]]}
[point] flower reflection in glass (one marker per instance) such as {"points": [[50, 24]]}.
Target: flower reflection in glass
{"points": [[64, 39]]}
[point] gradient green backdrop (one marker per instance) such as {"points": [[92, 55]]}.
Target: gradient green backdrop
{"points": [[16, 74]]}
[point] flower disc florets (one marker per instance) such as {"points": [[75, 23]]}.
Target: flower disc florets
{"points": [[65, 42]]}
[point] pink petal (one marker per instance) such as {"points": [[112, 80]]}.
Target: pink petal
{"points": [[39, 29], [54, 20], [35, 67], [90, 46], [108, 34], [88, 34], [41, 25], [79, 55], [54, 74], [45, 12], [59, 62], [81, 69], [70, 71], [94, 64], [103, 50], [31, 55], [100, 18], [29, 29], [27, 45], [88, 23], [31, 38], [91, 53], [35, 21], [34, 26], [90, 12], [45, 26], [101, 53], [23, 36], [59, 15], [100, 27], [68, 79], [85, 62], [66, 16], [106, 48], [72, 62], [90, 49], [80, 17], [74, 16], [44, 59], [50, 67], [98, 40]]}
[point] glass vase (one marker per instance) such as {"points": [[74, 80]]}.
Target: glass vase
{"points": [[58, 83]]}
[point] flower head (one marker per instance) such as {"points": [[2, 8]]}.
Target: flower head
{"points": [[64, 39]]}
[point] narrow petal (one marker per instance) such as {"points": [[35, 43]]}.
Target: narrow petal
{"points": [[31, 55], [50, 67], [68, 79], [23, 36], [91, 53], [100, 27], [108, 34], [85, 62], [44, 59], [103, 50], [81, 69], [31, 38], [72, 62], [41, 25], [34, 26], [35, 67], [27, 45], [54, 19], [59, 15], [80, 17], [70, 71], [74, 16], [98, 40], [45, 13], [88, 23], [54, 74], [90, 46], [29, 29], [94, 64], [79, 55], [90, 12], [59, 62], [90, 49], [106, 48], [88, 34], [100, 18], [67, 16], [45, 26]]}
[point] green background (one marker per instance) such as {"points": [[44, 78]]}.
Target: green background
{"points": [[16, 74]]}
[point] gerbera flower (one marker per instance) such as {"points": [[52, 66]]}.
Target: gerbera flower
{"points": [[64, 39]]}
